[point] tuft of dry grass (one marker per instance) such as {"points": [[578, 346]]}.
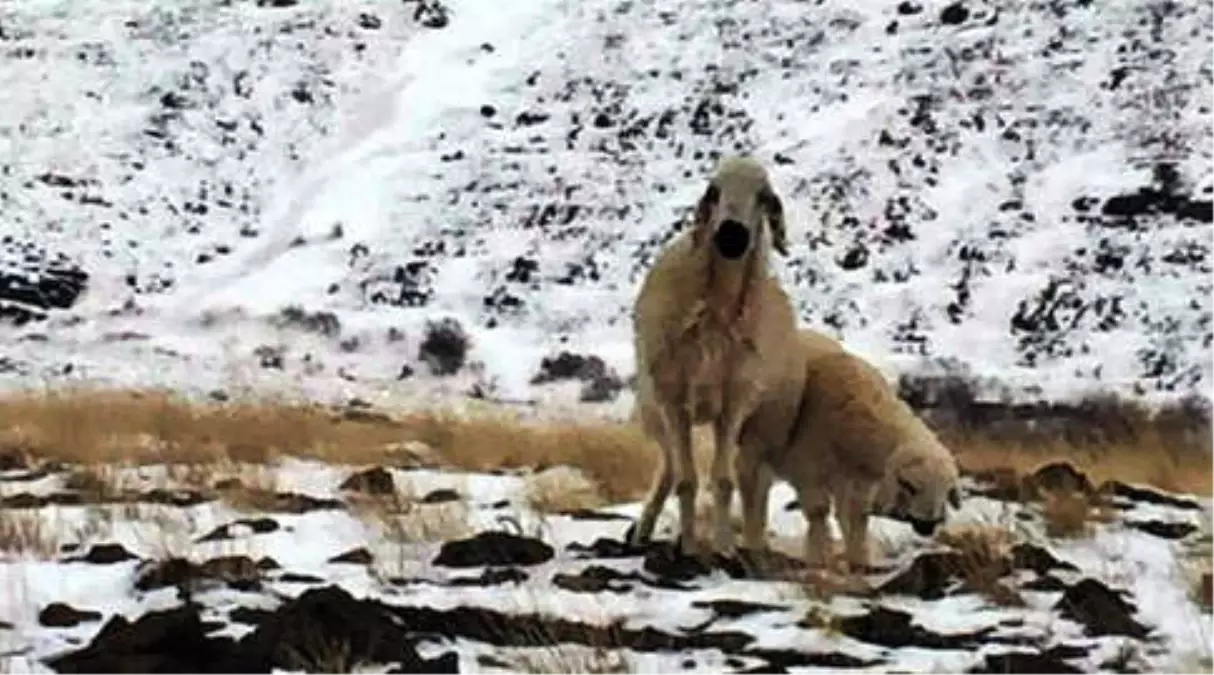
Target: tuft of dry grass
{"points": [[24, 533], [567, 658], [403, 518], [1072, 514], [562, 489], [984, 557]]}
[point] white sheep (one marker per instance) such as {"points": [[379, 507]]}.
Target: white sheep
{"points": [[710, 323], [851, 439]]}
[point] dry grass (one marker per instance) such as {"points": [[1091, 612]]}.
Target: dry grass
{"points": [[104, 426], [24, 533], [562, 489], [567, 658], [1106, 438], [1170, 450], [403, 518], [984, 558]]}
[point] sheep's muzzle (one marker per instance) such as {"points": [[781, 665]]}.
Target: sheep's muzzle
{"points": [[731, 239]]}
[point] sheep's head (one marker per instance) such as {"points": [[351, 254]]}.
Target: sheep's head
{"points": [[737, 207], [916, 488]]}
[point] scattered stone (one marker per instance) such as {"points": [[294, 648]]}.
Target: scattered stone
{"points": [[954, 14], [1026, 556], [591, 514], [1057, 477], [169, 641], [441, 496], [1163, 529], [780, 660], [1146, 495], [12, 460], [62, 615], [1100, 609], [356, 556], [1046, 583], [667, 561], [1024, 662], [239, 572], [601, 383], [930, 576], [893, 628], [256, 525], [595, 579], [105, 554], [374, 481], [491, 577], [297, 578], [607, 548], [493, 548], [735, 609]]}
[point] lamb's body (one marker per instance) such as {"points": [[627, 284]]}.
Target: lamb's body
{"points": [[851, 439], [708, 329]]}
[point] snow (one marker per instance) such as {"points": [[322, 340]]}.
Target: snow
{"points": [[1018, 101], [1149, 568]]}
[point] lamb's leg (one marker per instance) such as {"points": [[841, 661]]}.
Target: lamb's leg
{"points": [[853, 500], [754, 485], [815, 506]]}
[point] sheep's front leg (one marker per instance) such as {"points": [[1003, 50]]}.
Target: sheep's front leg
{"points": [[659, 491], [726, 430], [686, 482], [754, 485]]}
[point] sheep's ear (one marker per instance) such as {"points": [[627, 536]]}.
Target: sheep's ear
{"points": [[708, 202], [954, 498], [775, 220]]}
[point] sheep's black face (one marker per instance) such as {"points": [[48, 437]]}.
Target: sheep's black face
{"points": [[732, 239]]}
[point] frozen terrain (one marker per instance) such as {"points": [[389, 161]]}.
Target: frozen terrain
{"points": [[1017, 192], [424, 570]]}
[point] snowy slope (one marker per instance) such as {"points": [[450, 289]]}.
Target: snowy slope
{"points": [[464, 575], [1014, 190]]}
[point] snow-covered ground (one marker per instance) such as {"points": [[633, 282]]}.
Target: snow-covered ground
{"points": [[96, 557], [1016, 191]]}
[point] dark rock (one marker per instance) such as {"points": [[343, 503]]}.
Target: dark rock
{"points": [[1146, 495], [249, 615], [1057, 477], [441, 496], [286, 640], [591, 514], [1163, 529], [780, 660], [1024, 662], [239, 572], [667, 561], [1101, 610], [170, 641], [930, 576], [297, 578], [444, 348], [374, 481], [493, 548], [602, 384], [735, 609], [257, 525], [893, 628], [293, 502], [595, 579], [105, 554], [12, 460], [1045, 583], [62, 615], [604, 547], [954, 14], [1026, 556], [357, 556], [491, 577]]}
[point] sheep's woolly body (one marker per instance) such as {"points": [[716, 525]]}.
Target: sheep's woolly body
{"points": [[841, 443], [708, 335]]}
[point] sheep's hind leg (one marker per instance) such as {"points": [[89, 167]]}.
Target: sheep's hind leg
{"points": [[815, 506], [663, 481]]}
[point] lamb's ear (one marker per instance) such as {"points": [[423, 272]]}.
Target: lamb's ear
{"points": [[954, 497], [774, 209], [708, 202]]}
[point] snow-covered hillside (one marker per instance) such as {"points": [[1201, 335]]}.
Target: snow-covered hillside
{"points": [[1016, 190]]}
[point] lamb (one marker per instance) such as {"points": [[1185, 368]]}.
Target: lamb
{"points": [[710, 321], [852, 439]]}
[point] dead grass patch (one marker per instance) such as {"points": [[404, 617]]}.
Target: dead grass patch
{"points": [[403, 518], [1072, 515], [984, 557], [567, 658], [25, 533], [562, 489], [1169, 449]]}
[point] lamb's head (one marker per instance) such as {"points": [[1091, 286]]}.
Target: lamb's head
{"points": [[739, 210], [917, 486]]}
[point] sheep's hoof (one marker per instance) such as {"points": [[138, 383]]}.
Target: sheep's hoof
{"points": [[631, 537], [689, 547]]}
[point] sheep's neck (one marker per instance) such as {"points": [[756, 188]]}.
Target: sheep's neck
{"points": [[729, 287]]}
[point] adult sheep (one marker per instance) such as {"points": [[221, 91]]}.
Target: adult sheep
{"points": [[710, 321], [849, 438]]}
